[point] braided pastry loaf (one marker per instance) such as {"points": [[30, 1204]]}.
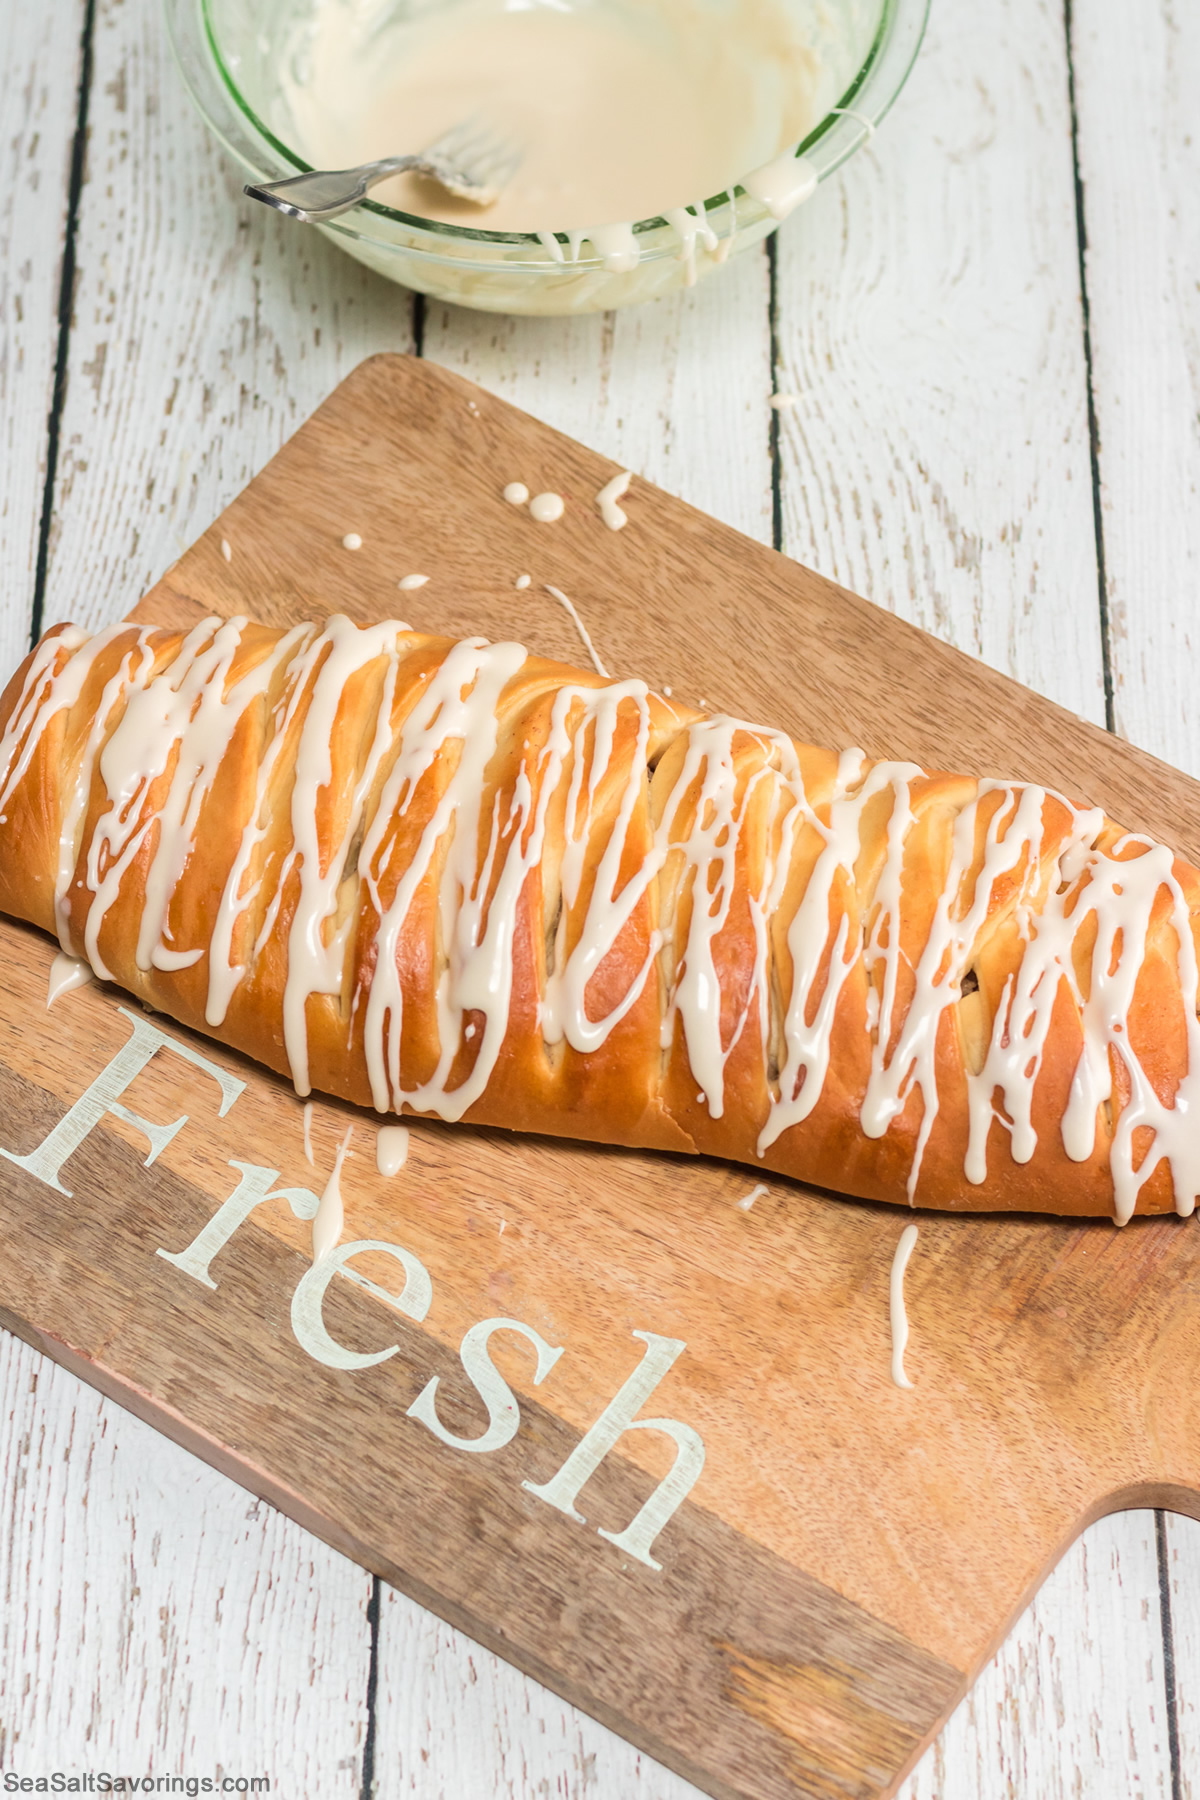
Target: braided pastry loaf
{"points": [[456, 879]]}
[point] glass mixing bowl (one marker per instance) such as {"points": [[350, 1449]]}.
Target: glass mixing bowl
{"points": [[229, 52]]}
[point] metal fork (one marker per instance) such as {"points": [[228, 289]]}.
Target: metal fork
{"points": [[471, 161]]}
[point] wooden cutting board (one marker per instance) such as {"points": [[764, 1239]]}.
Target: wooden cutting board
{"points": [[802, 1621]]}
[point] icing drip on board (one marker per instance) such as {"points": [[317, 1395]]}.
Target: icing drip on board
{"points": [[66, 974], [417, 822], [569, 608], [896, 1307], [329, 1220]]}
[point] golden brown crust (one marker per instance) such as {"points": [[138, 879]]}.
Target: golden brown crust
{"points": [[648, 861]]}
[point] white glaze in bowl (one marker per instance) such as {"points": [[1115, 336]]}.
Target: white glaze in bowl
{"points": [[228, 52]]}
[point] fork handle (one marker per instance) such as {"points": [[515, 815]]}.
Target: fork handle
{"points": [[324, 193]]}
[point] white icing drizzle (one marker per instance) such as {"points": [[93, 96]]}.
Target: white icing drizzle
{"points": [[614, 516], [226, 550], [616, 246], [407, 583], [756, 1193], [66, 974], [546, 508], [581, 628], [308, 1119], [727, 242], [329, 1220], [1083, 900], [849, 112], [782, 184], [688, 224], [391, 1149], [896, 1307], [175, 729]]}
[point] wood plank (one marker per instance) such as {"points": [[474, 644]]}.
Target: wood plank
{"points": [[929, 325], [644, 387], [1182, 1573], [938, 460], [453, 1718], [1139, 160], [1062, 1397], [202, 335], [1139, 163], [1073, 1703], [205, 330], [157, 1617], [39, 80]]}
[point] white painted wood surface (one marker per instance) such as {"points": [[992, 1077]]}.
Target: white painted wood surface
{"points": [[644, 386], [936, 458], [1183, 1585], [929, 322], [39, 75], [203, 335], [158, 1617], [1139, 153]]}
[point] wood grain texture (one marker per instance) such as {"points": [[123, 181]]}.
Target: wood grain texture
{"points": [[454, 1719], [123, 1641], [204, 330], [643, 387], [1073, 1704], [930, 328], [1071, 1305], [1139, 158], [39, 76]]}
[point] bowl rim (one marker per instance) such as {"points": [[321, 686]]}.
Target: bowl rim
{"points": [[842, 129]]}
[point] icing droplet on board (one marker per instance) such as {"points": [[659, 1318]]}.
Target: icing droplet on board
{"points": [[391, 1149], [66, 974], [614, 516]]}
